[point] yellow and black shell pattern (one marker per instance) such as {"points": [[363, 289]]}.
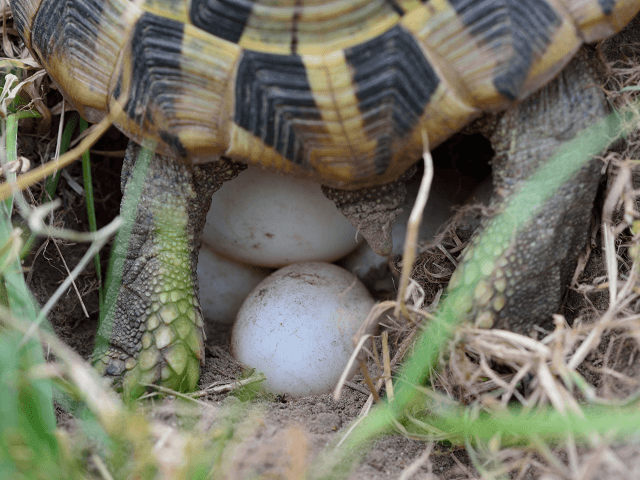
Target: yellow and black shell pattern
{"points": [[339, 90]]}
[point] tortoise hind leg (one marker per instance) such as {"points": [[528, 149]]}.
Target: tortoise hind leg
{"points": [[523, 274], [152, 331]]}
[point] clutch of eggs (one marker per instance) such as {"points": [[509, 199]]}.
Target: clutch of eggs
{"points": [[297, 325]]}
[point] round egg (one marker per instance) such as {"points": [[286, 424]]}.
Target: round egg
{"points": [[262, 218], [224, 284], [297, 325]]}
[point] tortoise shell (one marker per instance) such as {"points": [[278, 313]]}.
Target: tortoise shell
{"points": [[339, 90]]}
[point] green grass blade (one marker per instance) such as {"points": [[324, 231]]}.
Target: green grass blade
{"points": [[11, 144], [27, 419], [91, 210]]}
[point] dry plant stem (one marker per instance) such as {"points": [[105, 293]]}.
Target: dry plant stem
{"points": [[583, 259], [75, 186], [557, 394], [387, 366], [524, 465], [338, 390], [536, 347], [448, 255], [612, 264], [408, 472], [549, 365], [572, 455], [357, 387], [376, 357], [613, 460], [363, 414], [517, 378], [32, 87], [554, 380], [420, 312], [617, 375], [462, 466], [593, 339], [404, 346], [228, 387], [73, 283], [170, 391], [107, 153], [37, 174], [59, 137], [543, 449], [101, 467], [416, 293], [413, 228], [21, 64], [37, 225], [368, 381], [615, 194], [372, 319], [499, 382], [30, 269], [489, 465], [358, 340]]}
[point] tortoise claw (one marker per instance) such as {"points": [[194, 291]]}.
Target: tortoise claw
{"points": [[115, 368], [175, 365]]}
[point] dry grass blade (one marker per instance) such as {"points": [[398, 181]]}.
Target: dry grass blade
{"points": [[345, 372], [229, 386], [73, 282], [412, 469], [387, 366], [413, 228]]}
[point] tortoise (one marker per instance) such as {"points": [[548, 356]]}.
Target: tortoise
{"points": [[340, 91]]}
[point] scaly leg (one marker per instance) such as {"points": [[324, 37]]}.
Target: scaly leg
{"points": [[152, 331]]}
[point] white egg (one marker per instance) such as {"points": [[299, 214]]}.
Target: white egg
{"points": [[296, 327], [224, 284], [263, 218]]}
